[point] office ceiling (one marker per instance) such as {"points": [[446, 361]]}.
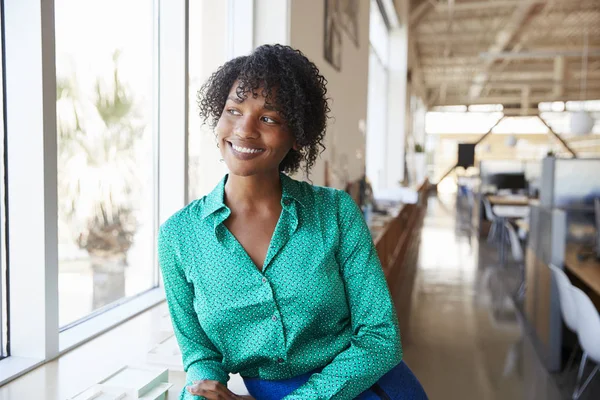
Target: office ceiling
{"points": [[513, 52]]}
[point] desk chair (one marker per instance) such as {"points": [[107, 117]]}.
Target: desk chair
{"points": [[515, 243], [489, 214], [588, 331], [517, 254], [568, 307]]}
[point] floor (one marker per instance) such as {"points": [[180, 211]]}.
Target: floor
{"points": [[463, 331], [465, 340]]}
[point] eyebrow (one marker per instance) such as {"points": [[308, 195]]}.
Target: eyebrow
{"points": [[240, 101]]}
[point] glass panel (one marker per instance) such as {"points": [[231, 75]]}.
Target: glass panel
{"points": [[105, 103], [378, 33], [376, 123], [208, 48]]}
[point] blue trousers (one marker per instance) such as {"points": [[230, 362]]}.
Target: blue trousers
{"points": [[398, 384]]}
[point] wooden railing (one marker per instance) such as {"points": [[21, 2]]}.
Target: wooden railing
{"points": [[398, 249]]}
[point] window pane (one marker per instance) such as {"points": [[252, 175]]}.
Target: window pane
{"points": [[208, 49], [105, 102]]}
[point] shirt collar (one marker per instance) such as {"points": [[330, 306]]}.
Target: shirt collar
{"points": [[215, 200]]}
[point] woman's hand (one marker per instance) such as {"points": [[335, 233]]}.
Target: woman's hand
{"points": [[214, 390]]}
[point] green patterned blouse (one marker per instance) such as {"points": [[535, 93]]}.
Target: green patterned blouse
{"points": [[321, 299]]}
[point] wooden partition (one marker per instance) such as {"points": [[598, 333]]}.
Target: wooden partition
{"points": [[547, 240], [398, 249]]}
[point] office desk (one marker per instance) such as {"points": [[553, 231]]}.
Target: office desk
{"points": [[507, 212], [508, 200], [588, 271]]}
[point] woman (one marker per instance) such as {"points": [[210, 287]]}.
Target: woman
{"points": [[273, 278]]}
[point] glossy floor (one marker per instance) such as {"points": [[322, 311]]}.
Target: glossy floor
{"points": [[464, 330]]}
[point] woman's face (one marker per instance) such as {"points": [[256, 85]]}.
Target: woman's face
{"points": [[253, 138]]}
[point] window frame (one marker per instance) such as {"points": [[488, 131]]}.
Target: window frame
{"points": [[31, 134]]}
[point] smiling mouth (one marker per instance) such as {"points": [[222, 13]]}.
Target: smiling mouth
{"points": [[245, 150]]}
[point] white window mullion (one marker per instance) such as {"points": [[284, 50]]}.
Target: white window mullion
{"points": [[241, 28], [32, 189], [172, 107]]}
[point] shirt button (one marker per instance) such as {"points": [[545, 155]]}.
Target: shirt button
{"points": [[280, 360], [274, 318], [264, 280], [287, 202]]}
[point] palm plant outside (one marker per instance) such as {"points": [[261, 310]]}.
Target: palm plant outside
{"points": [[98, 176]]}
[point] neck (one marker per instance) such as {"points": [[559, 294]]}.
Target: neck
{"points": [[253, 191]]}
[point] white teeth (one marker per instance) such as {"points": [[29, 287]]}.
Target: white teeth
{"points": [[245, 150]]}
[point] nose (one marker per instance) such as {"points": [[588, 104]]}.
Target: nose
{"points": [[246, 127]]}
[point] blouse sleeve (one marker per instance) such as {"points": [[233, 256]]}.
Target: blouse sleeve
{"points": [[201, 360], [375, 346]]}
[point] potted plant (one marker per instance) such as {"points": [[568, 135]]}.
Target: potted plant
{"points": [[98, 179], [420, 163]]}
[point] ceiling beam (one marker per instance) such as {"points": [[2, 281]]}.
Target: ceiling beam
{"points": [[486, 5], [503, 39], [560, 139], [557, 86], [529, 55], [530, 77], [452, 100], [418, 13]]}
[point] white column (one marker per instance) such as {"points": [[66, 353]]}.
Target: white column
{"points": [[32, 188]]}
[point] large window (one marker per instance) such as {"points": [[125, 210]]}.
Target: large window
{"points": [[105, 64], [377, 102]]}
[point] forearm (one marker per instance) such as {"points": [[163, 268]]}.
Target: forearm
{"points": [[354, 370]]}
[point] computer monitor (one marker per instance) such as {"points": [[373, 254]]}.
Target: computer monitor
{"points": [[597, 211], [466, 155], [515, 181]]}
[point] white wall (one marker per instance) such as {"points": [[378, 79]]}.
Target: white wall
{"points": [[303, 28], [347, 87]]}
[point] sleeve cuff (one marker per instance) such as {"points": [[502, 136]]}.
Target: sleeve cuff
{"points": [[200, 371]]}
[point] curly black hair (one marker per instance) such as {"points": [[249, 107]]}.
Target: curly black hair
{"points": [[290, 83]]}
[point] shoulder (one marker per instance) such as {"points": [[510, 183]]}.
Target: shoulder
{"points": [[181, 221], [322, 197]]}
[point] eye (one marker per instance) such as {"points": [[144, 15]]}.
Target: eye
{"points": [[233, 111], [268, 120]]}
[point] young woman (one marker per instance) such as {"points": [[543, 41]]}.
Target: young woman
{"points": [[270, 277]]}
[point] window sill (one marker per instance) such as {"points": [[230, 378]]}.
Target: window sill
{"points": [[14, 367], [85, 331]]}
